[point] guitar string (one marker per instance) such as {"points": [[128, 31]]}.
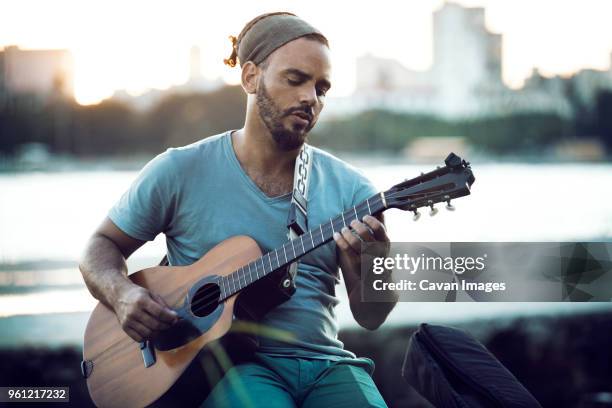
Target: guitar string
{"points": [[212, 299], [198, 306]]}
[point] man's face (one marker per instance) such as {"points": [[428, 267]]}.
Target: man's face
{"points": [[291, 91]]}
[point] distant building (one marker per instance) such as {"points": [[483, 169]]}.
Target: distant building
{"points": [[467, 60], [578, 91], [43, 73], [587, 83], [465, 79]]}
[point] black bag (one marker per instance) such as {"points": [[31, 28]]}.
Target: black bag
{"points": [[451, 369]]}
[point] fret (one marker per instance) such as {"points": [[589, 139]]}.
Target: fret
{"points": [[263, 267], [231, 281], [332, 225], [311, 240], [321, 229], [251, 272], [356, 216], [302, 241], [382, 197], [270, 261], [285, 251], [368, 203], [293, 247], [343, 221], [241, 272], [277, 260]]}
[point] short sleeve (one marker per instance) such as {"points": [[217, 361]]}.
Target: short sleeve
{"points": [[145, 209], [363, 188]]}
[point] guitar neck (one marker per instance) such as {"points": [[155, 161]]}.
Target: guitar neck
{"points": [[294, 249]]}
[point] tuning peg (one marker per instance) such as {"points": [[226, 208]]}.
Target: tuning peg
{"points": [[433, 210], [449, 206], [417, 215]]}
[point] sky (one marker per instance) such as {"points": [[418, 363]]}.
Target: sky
{"points": [[136, 45]]}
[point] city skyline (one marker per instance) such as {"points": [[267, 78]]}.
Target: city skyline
{"points": [[148, 45]]}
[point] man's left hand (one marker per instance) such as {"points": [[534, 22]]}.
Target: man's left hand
{"points": [[350, 240]]}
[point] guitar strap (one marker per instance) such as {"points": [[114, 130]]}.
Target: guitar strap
{"points": [[297, 221]]}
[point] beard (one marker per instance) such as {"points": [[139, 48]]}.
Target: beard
{"points": [[286, 137]]}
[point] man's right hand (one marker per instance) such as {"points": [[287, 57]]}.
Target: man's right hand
{"points": [[142, 314]]}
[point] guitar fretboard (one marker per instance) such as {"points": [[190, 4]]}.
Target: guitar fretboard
{"points": [[294, 249]]}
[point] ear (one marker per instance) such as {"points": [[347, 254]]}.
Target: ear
{"points": [[250, 77]]}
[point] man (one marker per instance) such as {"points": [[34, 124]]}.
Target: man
{"points": [[239, 183]]}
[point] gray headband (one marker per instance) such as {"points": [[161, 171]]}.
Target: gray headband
{"points": [[269, 34]]}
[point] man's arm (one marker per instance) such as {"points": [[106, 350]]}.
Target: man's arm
{"points": [[369, 315], [140, 312]]}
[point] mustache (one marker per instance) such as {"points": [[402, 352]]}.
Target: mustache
{"points": [[304, 110]]}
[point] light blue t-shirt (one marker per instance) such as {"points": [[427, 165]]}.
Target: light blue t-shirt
{"points": [[199, 195]]}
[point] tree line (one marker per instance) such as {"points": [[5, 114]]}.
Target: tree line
{"points": [[114, 128]]}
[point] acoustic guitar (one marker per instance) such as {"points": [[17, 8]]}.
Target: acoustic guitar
{"points": [[123, 373]]}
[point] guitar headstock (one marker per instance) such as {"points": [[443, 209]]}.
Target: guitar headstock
{"points": [[441, 185]]}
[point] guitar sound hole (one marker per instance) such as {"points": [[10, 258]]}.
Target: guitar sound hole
{"points": [[206, 300]]}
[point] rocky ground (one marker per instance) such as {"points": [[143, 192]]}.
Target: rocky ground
{"points": [[562, 360]]}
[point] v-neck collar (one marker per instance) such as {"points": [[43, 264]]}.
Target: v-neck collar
{"points": [[229, 149]]}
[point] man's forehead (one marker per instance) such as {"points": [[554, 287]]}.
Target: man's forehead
{"points": [[305, 55]]}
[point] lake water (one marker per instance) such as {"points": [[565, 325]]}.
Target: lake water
{"points": [[46, 218]]}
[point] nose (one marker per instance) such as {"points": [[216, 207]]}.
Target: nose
{"points": [[308, 95]]}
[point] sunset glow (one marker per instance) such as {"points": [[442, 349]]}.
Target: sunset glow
{"points": [[138, 45]]}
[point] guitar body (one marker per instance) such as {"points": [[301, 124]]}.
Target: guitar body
{"points": [[116, 373]]}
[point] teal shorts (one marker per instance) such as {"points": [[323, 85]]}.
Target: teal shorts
{"points": [[284, 382]]}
